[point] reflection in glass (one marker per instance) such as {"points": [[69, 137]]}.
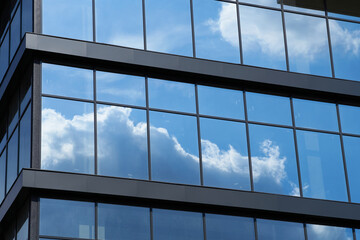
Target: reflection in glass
{"points": [[343, 16], [320, 232], [278, 230], [308, 44], [2, 174], [172, 95], [269, 3], [25, 140], [22, 223], [174, 148], [119, 22], [352, 156], [4, 56], [12, 160], [168, 26], [321, 166], [13, 112], [120, 88], [273, 160], [25, 93], [177, 225], [122, 142], [67, 136], [216, 34], [64, 218], [313, 7], [262, 37], [26, 17], [15, 33], [123, 222], [348, 119], [224, 154]]}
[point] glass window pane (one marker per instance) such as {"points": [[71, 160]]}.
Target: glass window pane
{"points": [[2, 174], [15, 33], [221, 102], [12, 160], [177, 225], [268, 108], [313, 7], [3, 128], [273, 160], [348, 119], [168, 26], [262, 37], [10, 232], [13, 112], [120, 88], [67, 136], [25, 140], [172, 95], [216, 34], [77, 218], [123, 152], [123, 222], [320, 232], [343, 16], [25, 93], [308, 44], [68, 18], [315, 115], [120, 22], [269, 3], [174, 148], [352, 156], [27, 16], [67, 81], [321, 166], [224, 154], [23, 223], [4, 56], [278, 230]]}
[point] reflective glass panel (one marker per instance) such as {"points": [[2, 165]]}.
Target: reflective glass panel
{"points": [[168, 26], [216, 34], [22, 228], [262, 37], [67, 81], [174, 148], [321, 166], [316, 115], [269, 3], [268, 108], [172, 95], [313, 7], [343, 16], [12, 160], [2, 174], [221, 102], [357, 233], [320, 232], [119, 22], [352, 156], [67, 136], [278, 230], [177, 225], [25, 140], [345, 42], [308, 44], [13, 112], [348, 119], [4, 56], [25, 93], [224, 154], [68, 18], [122, 142], [63, 218], [120, 88], [15, 33], [26, 16], [123, 222], [273, 160]]}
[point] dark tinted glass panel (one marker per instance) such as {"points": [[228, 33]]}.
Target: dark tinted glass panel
{"points": [[177, 225], [4, 56], [119, 22], [3, 128], [10, 232], [23, 223], [262, 37], [15, 33], [123, 222], [12, 160], [120, 88], [13, 111], [352, 156], [321, 166], [27, 16], [25, 140], [269, 3], [221, 102], [348, 119], [2, 174], [273, 160], [320, 232], [313, 7], [67, 81], [224, 154], [277, 230], [25, 93], [63, 218], [67, 136], [174, 148], [122, 142]]}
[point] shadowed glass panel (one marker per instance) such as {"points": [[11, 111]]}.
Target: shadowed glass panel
{"points": [[25, 93], [2, 174], [26, 17], [22, 223], [352, 156], [312, 7], [349, 116], [13, 112], [278, 230], [4, 56], [10, 232], [269, 3], [15, 33], [321, 232], [3, 128], [12, 160], [25, 140]]}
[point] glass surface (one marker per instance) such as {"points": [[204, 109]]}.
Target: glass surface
{"points": [[224, 154], [13, 111], [216, 34], [345, 42], [12, 160], [3, 128], [4, 56], [278, 230], [312, 7], [119, 22], [321, 232], [352, 156], [25, 93], [177, 225], [269, 3], [268, 108], [174, 148], [120, 88], [26, 16], [67, 81], [22, 228], [308, 44], [10, 232], [123, 222], [343, 16], [262, 37], [67, 136], [15, 33], [273, 160], [2, 174], [321, 166], [64, 218], [168, 26], [25, 140], [315, 115], [171, 95], [122, 142], [221, 102], [222, 227], [348, 119], [68, 18]]}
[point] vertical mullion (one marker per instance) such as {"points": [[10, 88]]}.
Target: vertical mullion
{"points": [[94, 20], [285, 38], [329, 41], [305, 231], [148, 127], [95, 125], [199, 135], [354, 234], [256, 229], [34, 218], [37, 16], [96, 221], [193, 27], [248, 142], [18, 134], [151, 224], [239, 31], [36, 116], [144, 23], [204, 225]]}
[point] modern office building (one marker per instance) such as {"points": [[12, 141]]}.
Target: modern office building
{"points": [[179, 119]]}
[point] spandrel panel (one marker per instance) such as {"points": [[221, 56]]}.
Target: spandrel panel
{"points": [[12, 160], [4, 56], [15, 32], [278, 230], [348, 119], [25, 140], [224, 154], [268, 3], [352, 156], [320, 232]]}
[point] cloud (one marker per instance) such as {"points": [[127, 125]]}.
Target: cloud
{"points": [[328, 232], [348, 40], [127, 40]]}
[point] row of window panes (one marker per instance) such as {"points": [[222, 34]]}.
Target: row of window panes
{"points": [[18, 229], [128, 222], [216, 32]]}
